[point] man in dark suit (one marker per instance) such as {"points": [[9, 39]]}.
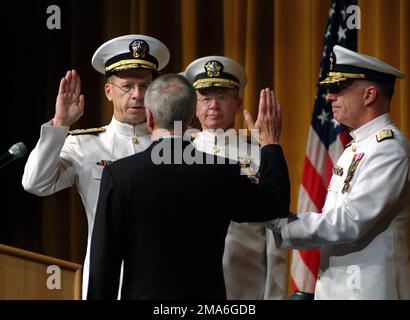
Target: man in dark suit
{"points": [[165, 211]]}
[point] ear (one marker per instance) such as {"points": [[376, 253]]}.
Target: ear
{"points": [[108, 91], [370, 95], [150, 120], [240, 105]]}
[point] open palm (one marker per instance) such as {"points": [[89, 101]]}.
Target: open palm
{"points": [[268, 122], [70, 101]]}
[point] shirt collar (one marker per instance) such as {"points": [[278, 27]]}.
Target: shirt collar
{"points": [[371, 128], [126, 129]]}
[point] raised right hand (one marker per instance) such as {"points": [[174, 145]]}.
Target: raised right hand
{"points": [[268, 121], [70, 101]]}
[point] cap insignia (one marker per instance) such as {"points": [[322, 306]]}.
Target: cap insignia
{"points": [[213, 68], [139, 48]]}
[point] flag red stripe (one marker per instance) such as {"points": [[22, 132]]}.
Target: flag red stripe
{"points": [[311, 258], [294, 286], [313, 184], [329, 176], [344, 137], [321, 153]]}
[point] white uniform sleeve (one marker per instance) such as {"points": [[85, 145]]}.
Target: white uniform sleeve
{"points": [[276, 285], [376, 190], [51, 165]]}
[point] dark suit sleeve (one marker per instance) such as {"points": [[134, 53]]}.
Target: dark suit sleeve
{"points": [[270, 198], [106, 246]]}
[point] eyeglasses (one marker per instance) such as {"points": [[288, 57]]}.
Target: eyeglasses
{"points": [[129, 88], [220, 99]]}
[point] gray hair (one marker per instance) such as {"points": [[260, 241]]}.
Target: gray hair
{"points": [[170, 98]]}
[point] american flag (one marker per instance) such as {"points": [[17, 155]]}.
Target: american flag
{"points": [[326, 142]]}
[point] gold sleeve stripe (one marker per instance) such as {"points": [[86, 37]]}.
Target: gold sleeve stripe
{"points": [[85, 131]]}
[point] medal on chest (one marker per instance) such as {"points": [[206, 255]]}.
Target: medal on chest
{"points": [[104, 163], [337, 170], [350, 172]]}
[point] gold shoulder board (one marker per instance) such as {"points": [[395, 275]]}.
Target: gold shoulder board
{"points": [[194, 136], [86, 131], [384, 134]]}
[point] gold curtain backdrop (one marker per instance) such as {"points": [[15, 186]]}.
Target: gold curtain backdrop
{"points": [[279, 42]]}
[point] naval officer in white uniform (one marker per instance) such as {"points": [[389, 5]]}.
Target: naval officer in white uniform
{"points": [[363, 230], [253, 267], [59, 161]]}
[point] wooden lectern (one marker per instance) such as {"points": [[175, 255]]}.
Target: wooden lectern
{"points": [[25, 275]]}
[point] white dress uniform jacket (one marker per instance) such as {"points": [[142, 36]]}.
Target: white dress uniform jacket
{"points": [[363, 230], [59, 162], [253, 267]]}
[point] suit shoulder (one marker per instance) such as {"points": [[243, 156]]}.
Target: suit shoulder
{"points": [[133, 161]]}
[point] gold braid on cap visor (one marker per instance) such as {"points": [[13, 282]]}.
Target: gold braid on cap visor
{"points": [[335, 77], [130, 64], [215, 82]]}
